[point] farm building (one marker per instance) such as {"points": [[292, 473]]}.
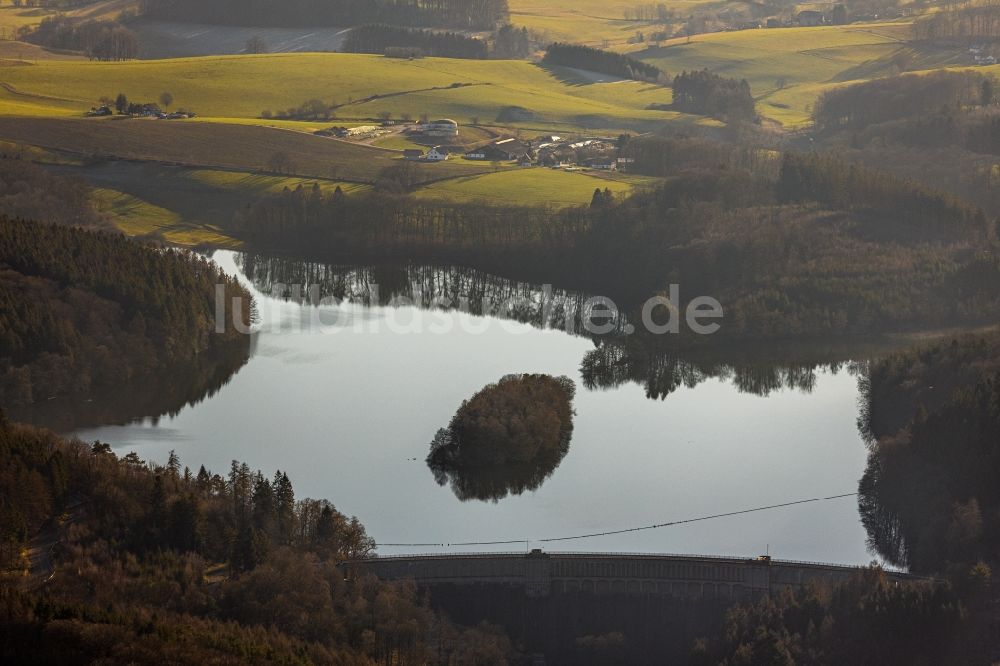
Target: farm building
{"points": [[413, 154], [443, 127], [508, 149], [503, 150], [602, 163], [437, 154]]}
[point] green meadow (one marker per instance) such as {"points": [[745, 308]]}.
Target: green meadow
{"points": [[531, 187], [591, 22], [788, 68], [241, 87], [183, 205]]}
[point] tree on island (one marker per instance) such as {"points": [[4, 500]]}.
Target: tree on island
{"points": [[508, 438]]}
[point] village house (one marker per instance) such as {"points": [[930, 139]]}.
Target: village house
{"points": [[503, 150], [437, 154]]}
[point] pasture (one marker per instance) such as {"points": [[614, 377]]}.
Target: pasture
{"points": [[183, 205], [12, 18], [516, 92], [788, 68], [592, 22], [216, 145], [525, 187]]}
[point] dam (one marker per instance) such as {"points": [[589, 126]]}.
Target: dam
{"points": [[541, 574]]}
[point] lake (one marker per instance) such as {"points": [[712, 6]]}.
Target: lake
{"points": [[348, 409]]}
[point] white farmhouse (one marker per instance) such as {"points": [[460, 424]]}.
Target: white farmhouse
{"points": [[437, 154]]}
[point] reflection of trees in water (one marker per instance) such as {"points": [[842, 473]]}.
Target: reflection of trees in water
{"points": [[164, 393], [491, 483], [447, 287], [618, 361], [882, 525]]}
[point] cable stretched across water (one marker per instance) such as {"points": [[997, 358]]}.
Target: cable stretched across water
{"points": [[627, 530]]}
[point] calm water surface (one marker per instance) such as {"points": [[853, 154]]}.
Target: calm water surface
{"points": [[348, 411]]}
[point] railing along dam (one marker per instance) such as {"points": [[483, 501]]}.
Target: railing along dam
{"points": [[682, 576]]}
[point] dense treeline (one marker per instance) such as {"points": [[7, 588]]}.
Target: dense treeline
{"points": [[816, 251], [976, 130], [663, 156], [867, 620], [937, 129], [977, 20], [84, 310], [709, 94], [919, 209], [459, 14], [906, 96], [930, 497], [511, 43], [381, 38], [597, 60], [141, 562], [99, 40], [28, 191]]}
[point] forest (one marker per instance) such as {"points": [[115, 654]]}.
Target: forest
{"points": [[30, 192], [98, 40], [156, 562], [87, 310], [867, 620], [966, 21], [381, 38], [605, 62], [710, 94], [455, 14], [894, 98]]}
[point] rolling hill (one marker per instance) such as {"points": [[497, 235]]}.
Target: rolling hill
{"points": [[788, 68], [362, 86]]}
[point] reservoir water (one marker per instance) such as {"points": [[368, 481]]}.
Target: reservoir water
{"points": [[348, 409]]}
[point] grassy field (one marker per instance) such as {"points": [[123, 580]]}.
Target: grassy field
{"points": [[193, 207], [591, 22], [183, 205], [243, 86], [535, 186], [11, 16], [788, 68], [240, 147]]}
